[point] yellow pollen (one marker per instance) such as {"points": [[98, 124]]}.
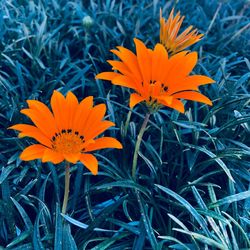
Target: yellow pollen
{"points": [[68, 142]]}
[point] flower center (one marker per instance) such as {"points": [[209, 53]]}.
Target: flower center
{"points": [[157, 88], [68, 142]]}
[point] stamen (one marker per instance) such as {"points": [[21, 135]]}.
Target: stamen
{"points": [[68, 142]]}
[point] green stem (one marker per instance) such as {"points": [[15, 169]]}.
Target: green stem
{"points": [[138, 143], [127, 123], [66, 187]]}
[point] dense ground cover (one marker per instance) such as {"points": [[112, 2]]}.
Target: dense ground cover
{"points": [[193, 168]]}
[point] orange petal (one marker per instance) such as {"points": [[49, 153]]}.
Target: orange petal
{"points": [[72, 104], [196, 80], [194, 96], [132, 81], [143, 60], [98, 129], [116, 65], [103, 142], [95, 115], [40, 121], [32, 131], [166, 99], [99, 111], [45, 114], [135, 99], [178, 105], [59, 108], [190, 62], [184, 63], [124, 81], [175, 104], [159, 61], [90, 162], [171, 72], [52, 156], [190, 83], [82, 113], [33, 152], [185, 35], [73, 158], [130, 60], [107, 76], [176, 28]]}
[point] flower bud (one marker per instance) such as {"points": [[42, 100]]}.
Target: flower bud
{"points": [[87, 22]]}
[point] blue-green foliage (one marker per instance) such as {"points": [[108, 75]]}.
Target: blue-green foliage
{"points": [[193, 168]]}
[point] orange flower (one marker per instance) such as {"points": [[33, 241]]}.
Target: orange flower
{"points": [[169, 33], [68, 133], [157, 79]]}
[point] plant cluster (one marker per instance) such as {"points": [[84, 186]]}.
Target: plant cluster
{"points": [[179, 117]]}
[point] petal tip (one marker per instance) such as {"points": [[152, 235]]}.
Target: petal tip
{"points": [[97, 77], [118, 145], [94, 172]]}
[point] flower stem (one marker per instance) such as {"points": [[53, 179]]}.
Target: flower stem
{"points": [[66, 187], [126, 124], [138, 143]]}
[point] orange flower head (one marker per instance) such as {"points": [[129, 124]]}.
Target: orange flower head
{"points": [[68, 132], [157, 79], [169, 33]]}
